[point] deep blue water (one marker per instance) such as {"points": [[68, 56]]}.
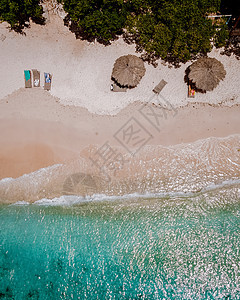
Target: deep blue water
{"points": [[138, 249]]}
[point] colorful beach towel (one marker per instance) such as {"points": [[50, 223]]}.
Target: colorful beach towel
{"points": [[47, 77], [47, 81], [27, 75], [27, 78], [191, 92]]}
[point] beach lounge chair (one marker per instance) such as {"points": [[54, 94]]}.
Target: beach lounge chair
{"points": [[47, 81], [191, 92], [158, 88], [27, 77], [36, 78], [116, 88]]}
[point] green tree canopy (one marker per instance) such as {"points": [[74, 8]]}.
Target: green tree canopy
{"points": [[174, 30], [18, 12], [96, 19]]}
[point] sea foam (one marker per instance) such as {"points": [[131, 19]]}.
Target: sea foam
{"points": [[180, 170]]}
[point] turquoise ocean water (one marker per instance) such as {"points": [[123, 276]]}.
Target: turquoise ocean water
{"points": [[126, 248]]}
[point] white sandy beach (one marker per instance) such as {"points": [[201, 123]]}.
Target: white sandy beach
{"points": [[82, 71], [53, 134]]}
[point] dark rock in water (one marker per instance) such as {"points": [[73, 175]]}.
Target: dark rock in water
{"points": [[58, 265], [33, 294], [3, 271], [50, 285], [7, 294]]}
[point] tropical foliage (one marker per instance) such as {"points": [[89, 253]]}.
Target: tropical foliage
{"points": [[175, 30], [92, 19], [171, 29], [18, 12]]}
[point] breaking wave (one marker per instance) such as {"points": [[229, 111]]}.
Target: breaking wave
{"points": [[180, 170]]}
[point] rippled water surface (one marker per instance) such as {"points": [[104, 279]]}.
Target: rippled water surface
{"points": [[184, 168], [138, 248]]}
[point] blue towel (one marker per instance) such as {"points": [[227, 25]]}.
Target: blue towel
{"points": [[47, 77], [27, 75]]}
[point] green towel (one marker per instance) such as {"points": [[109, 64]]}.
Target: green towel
{"points": [[27, 75]]}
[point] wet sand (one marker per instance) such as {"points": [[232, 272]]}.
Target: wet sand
{"points": [[37, 131]]}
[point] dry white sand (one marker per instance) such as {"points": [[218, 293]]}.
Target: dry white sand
{"points": [[82, 71]]}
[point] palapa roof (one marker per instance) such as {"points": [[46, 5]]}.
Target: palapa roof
{"points": [[206, 73], [128, 70]]}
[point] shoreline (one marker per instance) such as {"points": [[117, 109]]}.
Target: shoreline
{"points": [[184, 169], [38, 131], [157, 144]]}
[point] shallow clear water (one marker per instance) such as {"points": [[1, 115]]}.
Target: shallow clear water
{"points": [[183, 168], [169, 248]]}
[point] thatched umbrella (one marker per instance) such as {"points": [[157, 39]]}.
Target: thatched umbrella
{"points": [[206, 73], [128, 70]]}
